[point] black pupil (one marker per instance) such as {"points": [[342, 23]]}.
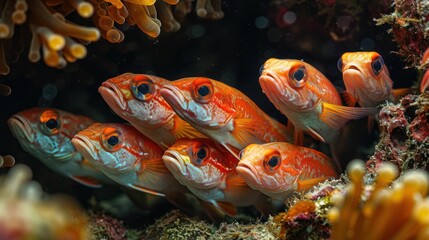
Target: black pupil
{"points": [[201, 154], [274, 160], [298, 75], [203, 91], [377, 66], [143, 88], [51, 123], [113, 140]]}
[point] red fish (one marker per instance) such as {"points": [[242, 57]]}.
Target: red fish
{"points": [[307, 98], [46, 134], [137, 99], [127, 157], [425, 80], [222, 113], [367, 79], [209, 172], [278, 168]]}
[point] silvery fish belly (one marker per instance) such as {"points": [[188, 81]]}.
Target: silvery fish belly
{"points": [[46, 134], [137, 99]]}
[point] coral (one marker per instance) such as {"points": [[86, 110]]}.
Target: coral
{"points": [[306, 217], [410, 28], [175, 225], [56, 36], [6, 161], [404, 134], [26, 214], [5, 90], [106, 227], [369, 209], [258, 230]]}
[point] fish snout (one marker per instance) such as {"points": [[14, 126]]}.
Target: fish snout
{"points": [[112, 95], [174, 97], [84, 146], [250, 174], [173, 161], [21, 128]]}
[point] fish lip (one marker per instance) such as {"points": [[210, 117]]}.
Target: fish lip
{"points": [[20, 127], [173, 159], [249, 173], [84, 146], [112, 95], [352, 82], [174, 97]]}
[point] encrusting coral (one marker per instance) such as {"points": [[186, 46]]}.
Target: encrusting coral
{"points": [[26, 214], [404, 134], [60, 40], [366, 210]]}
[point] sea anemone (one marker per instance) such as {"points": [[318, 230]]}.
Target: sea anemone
{"points": [[370, 209], [26, 214]]}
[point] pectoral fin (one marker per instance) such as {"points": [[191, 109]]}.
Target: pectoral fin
{"points": [[316, 135], [335, 116], [227, 208], [247, 130], [349, 99], [309, 183], [185, 130], [400, 92], [233, 150], [146, 190], [87, 181], [424, 84], [298, 137]]}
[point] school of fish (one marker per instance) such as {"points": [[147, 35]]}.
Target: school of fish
{"points": [[199, 137]]}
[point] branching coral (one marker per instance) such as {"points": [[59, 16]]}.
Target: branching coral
{"points": [[26, 214], [56, 36], [404, 137], [375, 211]]}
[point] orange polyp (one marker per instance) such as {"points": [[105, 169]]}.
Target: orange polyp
{"points": [[140, 15], [21, 5], [19, 17], [105, 23], [34, 52], [113, 36], [50, 57], [54, 41], [4, 30], [4, 68]]}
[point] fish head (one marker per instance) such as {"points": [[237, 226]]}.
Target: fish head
{"points": [[365, 77], [198, 162], [137, 99], [46, 133], [266, 168], [293, 85], [202, 102], [115, 148]]}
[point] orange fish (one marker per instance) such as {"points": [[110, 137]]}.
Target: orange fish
{"points": [[222, 113], [127, 157], [209, 172], [367, 79], [278, 168], [425, 80], [307, 98], [46, 134], [137, 99]]}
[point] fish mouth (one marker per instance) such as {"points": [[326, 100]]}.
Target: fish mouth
{"points": [[354, 81], [270, 83], [250, 175], [173, 161], [20, 128], [174, 97], [112, 95], [84, 146]]}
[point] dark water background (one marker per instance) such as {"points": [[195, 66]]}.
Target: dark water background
{"points": [[230, 50]]}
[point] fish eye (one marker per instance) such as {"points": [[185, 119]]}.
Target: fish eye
{"points": [[112, 139], [272, 161], [340, 64], [240, 155], [142, 88], [203, 90], [298, 76], [201, 154], [50, 122], [377, 65]]}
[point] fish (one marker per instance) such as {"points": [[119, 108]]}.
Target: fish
{"points": [[278, 169], [222, 113], [129, 158], [308, 99], [208, 171], [136, 98], [424, 84], [46, 134], [367, 79]]}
